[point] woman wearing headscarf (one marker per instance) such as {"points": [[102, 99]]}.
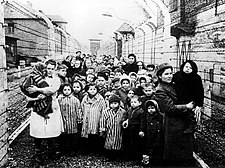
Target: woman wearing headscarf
{"points": [[131, 66]]}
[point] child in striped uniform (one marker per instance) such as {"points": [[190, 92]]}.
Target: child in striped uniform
{"points": [[71, 114], [111, 127], [92, 106]]}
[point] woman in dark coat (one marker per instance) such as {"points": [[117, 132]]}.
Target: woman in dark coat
{"points": [[188, 86], [131, 66], [178, 146]]}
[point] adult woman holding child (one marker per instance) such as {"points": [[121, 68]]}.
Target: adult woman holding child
{"points": [[178, 146], [40, 127]]}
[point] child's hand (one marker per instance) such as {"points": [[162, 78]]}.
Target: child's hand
{"points": [[141, 134], [125, 124]]}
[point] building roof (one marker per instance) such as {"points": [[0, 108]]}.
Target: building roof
{"points": [[126, 28], [56, 19]]}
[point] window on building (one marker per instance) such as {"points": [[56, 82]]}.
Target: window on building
{"points": [[10, 28]]}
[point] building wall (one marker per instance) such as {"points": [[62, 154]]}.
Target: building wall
{"points": [[3, 96], [32, 37], [37, 35]]}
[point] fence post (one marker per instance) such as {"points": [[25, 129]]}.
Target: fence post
{"points": [[3, 97]]}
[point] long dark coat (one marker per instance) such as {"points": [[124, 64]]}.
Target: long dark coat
{"points": [[132, 142], [154, 134], [178, 146]]}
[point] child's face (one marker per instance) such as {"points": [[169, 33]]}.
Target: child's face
{"points": [[187, 68], [99, 60], [133, 78], [112, 76], [88, 63], [143, 82], [117, 84], [67, 90], [101, 81], [90, 78], [90, 70], [76, 87], [118, 74], [114, 105], [151, 109], [107, 95], [125, 84], [77, 64], [134, 102], [92, 90], [62, 72], [130, 94], [148, 90]]}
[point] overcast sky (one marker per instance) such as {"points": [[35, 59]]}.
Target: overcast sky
{"points": [[85, 18]]}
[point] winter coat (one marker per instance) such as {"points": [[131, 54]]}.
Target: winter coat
{"points": [[189, 86], [130, 68], [122, 93], [71, 113], [92, 111], [178, 146], [154, 134], [136, 123], [111, 123]]}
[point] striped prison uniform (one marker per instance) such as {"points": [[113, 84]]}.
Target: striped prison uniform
{"points": [[111, 124], [92, 110], [71, 112], [42, 107]]}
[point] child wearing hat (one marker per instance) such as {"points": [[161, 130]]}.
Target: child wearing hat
{"points": [[123, 90], [111, 127], [134, 124], [153, 133]]}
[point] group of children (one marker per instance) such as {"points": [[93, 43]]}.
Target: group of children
{"points": [[113, 110]]}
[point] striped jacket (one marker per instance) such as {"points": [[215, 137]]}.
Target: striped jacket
{"points": [[91, 111], [71, 112], [111, 123]]}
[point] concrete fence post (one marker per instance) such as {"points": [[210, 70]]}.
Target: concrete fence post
{"points": [[3, 96]]}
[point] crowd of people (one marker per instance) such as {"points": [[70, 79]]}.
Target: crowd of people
{"points": [[124, 109]]}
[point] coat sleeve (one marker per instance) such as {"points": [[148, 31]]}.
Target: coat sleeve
{"points": [[167, 105], [79, 112], [103, 121], [200, 90], [142, 121]]}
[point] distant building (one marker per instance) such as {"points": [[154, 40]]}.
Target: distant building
{"points": [[31, 35], [94, 46]]}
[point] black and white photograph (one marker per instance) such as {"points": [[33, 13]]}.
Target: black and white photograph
{"points": [[112, 84]]}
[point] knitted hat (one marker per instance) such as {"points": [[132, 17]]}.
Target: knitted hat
{"points": [[114, 80], [152, 103], [124, 77], [114, 98], [102, 74], [162, 67]]}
